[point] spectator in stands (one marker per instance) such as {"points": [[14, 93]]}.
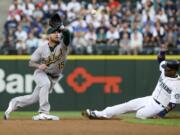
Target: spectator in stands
{"points": [[114, 21], [113, 6], [178, 16], [21, 34], [161, 16], [90, 38], [31, 43], [158, 4], [15, 5], [127, 16], [128, 5], [79, 43], [103, 17], [38, 12], [43, 40], [28, 8], [136, 26], [159, 32], [26, 23], [45, 27], [79, 25], [124, 45], [124, 28], [148, 13], [20, 47], [73, 5], [170, 40], [136, 42], [103, 25], [9, 46], [112, 36], [93, 5], [148, 30], [170, 7], [148, 44], [92, 19], [101, 36], [10, 25], [48, 8], [101, 41], [15, 11], [60, 5], [112, 40], [36, 26]]}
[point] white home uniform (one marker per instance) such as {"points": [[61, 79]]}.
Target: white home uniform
{"points": [[167, 90], [45, 80]]}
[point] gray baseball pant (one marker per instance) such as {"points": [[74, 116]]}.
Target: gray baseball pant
{"points": [[44, 84]]}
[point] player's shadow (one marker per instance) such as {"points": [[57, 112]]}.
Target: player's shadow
{"points": [[172, 117]]}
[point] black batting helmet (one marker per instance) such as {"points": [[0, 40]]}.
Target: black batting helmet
{"points": [[172, 64]]}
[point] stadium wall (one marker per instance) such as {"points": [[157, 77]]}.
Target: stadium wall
{"points": [[88, 82]]}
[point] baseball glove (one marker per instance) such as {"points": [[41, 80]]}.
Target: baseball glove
{"points": [[55, 21]]}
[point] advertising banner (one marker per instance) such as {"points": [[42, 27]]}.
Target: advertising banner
{"points": [[92, 82]]}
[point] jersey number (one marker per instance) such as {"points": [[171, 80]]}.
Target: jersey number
{"points": [[61, 65]]}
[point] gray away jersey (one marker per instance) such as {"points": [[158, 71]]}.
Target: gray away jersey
{"points": [[54, 60]]}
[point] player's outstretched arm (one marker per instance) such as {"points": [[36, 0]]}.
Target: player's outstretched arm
{"points": [[162, 53], [161, 56], [66, 37]]}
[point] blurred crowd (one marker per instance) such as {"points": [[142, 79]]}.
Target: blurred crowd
{"points": [[127, 27]]}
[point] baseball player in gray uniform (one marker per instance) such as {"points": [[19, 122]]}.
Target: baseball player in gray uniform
{"points": [[164, 97], [48, 61]]}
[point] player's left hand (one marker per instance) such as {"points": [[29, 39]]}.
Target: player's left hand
{"points": [[43, 66]]}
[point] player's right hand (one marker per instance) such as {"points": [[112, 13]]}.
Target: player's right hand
{"points": [[42, 66]]}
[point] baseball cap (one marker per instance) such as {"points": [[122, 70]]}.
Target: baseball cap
{"points": [[172, 64], [52, 30]]}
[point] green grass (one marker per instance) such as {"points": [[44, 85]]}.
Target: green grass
{"points": [[173, 119], [167, 122], [28, 115]]}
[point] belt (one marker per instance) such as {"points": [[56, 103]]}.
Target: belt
{"points": [[159, 103], [53, 76]]}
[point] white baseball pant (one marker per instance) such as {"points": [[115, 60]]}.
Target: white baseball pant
{"points": [[145, 107]]}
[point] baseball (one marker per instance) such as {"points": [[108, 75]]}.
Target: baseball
{"points": [[93, 12]]}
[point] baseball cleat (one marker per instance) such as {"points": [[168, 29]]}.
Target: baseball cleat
{"points": [[6, 116], [8, 111], [85, 113], [43, 116], [90, 114]]}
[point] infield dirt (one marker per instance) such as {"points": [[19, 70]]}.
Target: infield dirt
{"points": [[82, 127]]}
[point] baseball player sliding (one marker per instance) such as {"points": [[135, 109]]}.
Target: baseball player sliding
{"points": [[162, 100], [48, 61]]}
